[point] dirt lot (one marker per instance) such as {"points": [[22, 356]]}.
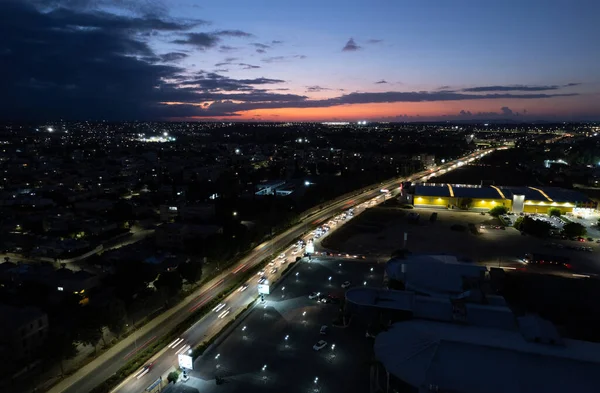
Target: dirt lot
{"points": [[380, 231]]}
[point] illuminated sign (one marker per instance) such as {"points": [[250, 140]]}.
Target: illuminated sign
{"points": [[185, 361], [263, 289], [310, 247]]}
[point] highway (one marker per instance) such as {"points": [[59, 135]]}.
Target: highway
{"points": [[112, 360]]}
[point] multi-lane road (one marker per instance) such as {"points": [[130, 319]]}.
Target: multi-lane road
{"points": [[112, 360]]}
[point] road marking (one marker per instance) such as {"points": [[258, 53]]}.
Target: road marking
{"points": [[144, 372], [175, 342], [140, 347], [179, 342], [183, 349]]}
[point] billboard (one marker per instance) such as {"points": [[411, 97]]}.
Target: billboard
{"points": [[263, 289], [310, 247], [185, 361]]}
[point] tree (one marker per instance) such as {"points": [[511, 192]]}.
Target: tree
{"points": [[90, 330], [190, 271], [115, 316], [173, 377], [535, 227], [169, 282], [574, 229], [60, 345], [498, 211], [554, 212]]}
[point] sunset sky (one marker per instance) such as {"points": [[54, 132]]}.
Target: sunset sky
{"points": [[300, 60]]}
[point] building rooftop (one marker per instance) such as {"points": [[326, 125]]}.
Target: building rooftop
{"points": [[462, 358], [435, 275]]}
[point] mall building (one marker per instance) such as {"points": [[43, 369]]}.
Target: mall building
{"points": [[516, 199], [445, 332]]}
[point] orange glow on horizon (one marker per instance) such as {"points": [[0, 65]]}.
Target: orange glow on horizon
{"points": [[409, 111]]}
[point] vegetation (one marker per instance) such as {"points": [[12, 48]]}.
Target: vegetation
{"points": [[533, 227], [173, 377], [574, 229], [554, 212], [497, 211]]}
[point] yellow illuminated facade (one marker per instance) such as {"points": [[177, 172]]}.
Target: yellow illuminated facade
{"points": [[543, 206]]}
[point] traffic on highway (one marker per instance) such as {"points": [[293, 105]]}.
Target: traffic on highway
{"points": [[293, 241]]}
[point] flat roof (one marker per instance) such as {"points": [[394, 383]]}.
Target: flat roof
{"points": [[558, 194], [432, 190], [463, 358], [546, 194], [476, 192], [435, 275]]}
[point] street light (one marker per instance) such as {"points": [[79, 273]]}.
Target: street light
{"points": [[365, 283], [329, 278], [371, 269], [264, 368], [234, 214]]}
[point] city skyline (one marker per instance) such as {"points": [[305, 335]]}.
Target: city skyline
{"points": [[181, 60]]}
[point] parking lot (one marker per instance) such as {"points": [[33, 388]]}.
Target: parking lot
{"points": [[272, 349], [381, 230]]}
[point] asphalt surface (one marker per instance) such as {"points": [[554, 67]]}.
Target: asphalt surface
{"points": [[111, 361], [281, 333]]}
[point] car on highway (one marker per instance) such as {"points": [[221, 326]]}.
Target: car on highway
{"points": [[243, 288], [320, 345], [272, 263], [148, 366], [314, 295], [225, 312], [282, 256], [346, 284], [262, 280], [219, 307], [274, 270], [294, 251], [261, 273]]}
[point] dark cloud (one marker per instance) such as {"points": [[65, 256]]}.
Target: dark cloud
{"points": [[314, 89], [350, 46], [199, 40], [210, 40], [572, 84], [246, 66], [102, 73], [146, 7], [276, 42], [98, 19], [485, 89], [380, 82], [227, 48], [374, 41], [445, 87], [53, 69], [261, 51], [233, 33], [504, 112], [222, 70], [173, 56], [260, 46], [279, 59]]}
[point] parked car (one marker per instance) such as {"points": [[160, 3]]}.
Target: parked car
{"points": [[323, 330], [346, 284], [320, 345]]}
